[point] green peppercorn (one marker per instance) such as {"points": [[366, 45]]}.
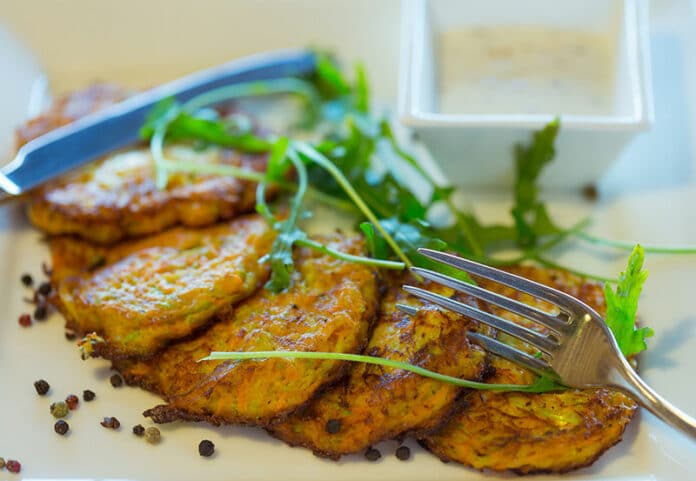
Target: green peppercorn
{"points": [[403, 453], [59, 409], [152, 435], [2, 463], [61, 427]]}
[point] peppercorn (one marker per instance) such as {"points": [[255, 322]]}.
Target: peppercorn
{"points": [[45, 288], [27, 280], [206, 448], [88, 395], [72, 401], [41, 387], [138, 430], [2, 463], [70, 335], [111, 423], [333, 426], [116, 380], [13, 466], [372, 454], [59, 409], [403, 453], [61, 427], [41, 312], [152, 435], [25, 320]]}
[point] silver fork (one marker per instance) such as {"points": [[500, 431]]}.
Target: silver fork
{"points": [[580, 351]]}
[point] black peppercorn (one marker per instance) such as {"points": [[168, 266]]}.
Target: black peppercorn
{"points": [[111, 423], [206, 448], [70, 335], [88, 395], [333, 426], [116, 380], [138, 430], [403, 453], [27, 280], [372, 454], [45, 288], [41, 387], [41, 312], [61, 427]]}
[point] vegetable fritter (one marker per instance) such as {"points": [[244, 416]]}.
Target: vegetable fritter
{"points": [[117, 197], [160, 289], [376, 403], [328, 307], [528, 433]]}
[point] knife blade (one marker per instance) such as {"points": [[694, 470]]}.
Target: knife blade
{"points": [[117, 126]]}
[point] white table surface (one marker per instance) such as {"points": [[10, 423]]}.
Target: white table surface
{"points": [[648, 195]]}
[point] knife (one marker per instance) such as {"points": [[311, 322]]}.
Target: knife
{"points": [[117, 126]]}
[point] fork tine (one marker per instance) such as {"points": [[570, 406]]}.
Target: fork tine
{"points": [[410, 310], [549, 294], [516, 307], [522, 333], [510, 353]]}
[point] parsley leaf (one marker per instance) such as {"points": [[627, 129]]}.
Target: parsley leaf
{"points": [[622, 306]]}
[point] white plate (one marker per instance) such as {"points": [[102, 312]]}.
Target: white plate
{"points": [[650, 194]]}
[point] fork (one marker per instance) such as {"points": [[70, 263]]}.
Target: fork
{"points": [[580, 351]]}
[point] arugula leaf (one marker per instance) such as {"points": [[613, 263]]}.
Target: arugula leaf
{"points": [[362, 90], [329, 78], [280, 257], [410, 236], [530, 215], [622, 306]]}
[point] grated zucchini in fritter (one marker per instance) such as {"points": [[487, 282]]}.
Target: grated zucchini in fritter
{"points": [[152, 292], [529, 433], [376, 403], [328, 307]]}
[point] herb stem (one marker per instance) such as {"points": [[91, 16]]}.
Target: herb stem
{"points": [[459, 219], [548, 263], [629, 246], [287, 85], [386, 264], [325, 163], [379, 361]]}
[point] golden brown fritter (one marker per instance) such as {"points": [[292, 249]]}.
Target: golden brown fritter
{"points": [[116, 197], [163, 288], [376, 403], [528, 433], [329, 307], [69, 108]]}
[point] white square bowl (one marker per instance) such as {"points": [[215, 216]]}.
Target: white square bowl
{"points": [[476, 148]]}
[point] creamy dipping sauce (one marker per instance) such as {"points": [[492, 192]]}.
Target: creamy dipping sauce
{"points": [[529, 70]]}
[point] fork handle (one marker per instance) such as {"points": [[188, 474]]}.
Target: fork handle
{"points": [[627, 380]]}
